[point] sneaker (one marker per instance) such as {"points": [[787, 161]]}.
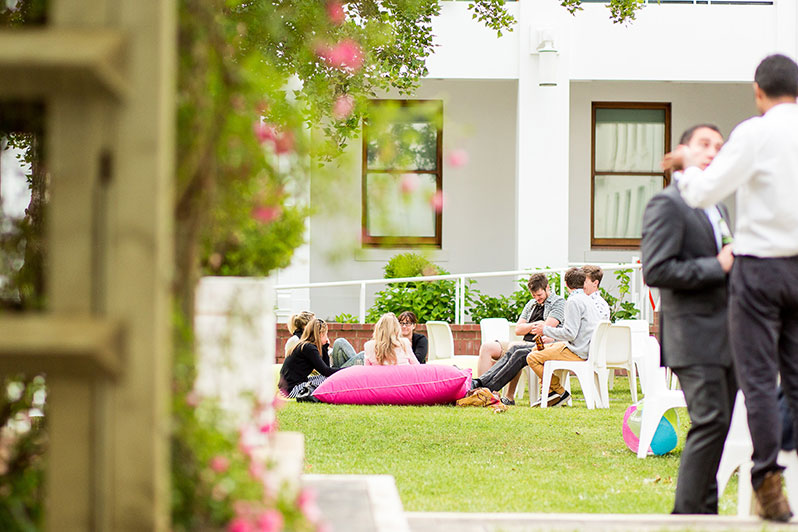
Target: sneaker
{"points": [[562, 400], [773, 505], [552, 396], [507, 401]]}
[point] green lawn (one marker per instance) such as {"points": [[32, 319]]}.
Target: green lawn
{"points": [[447, 458]]}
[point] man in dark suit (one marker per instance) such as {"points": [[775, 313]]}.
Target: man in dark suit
{"points": [[685, 253]]}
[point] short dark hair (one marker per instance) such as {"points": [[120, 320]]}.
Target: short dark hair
{"points": [[408, 315], [537, 281], [777, 75], [574, 278], [594, 273], [687, 136]]}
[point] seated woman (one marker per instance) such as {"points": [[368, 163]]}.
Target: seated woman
{"points": [[296, 325], [408, 320], [387, 346], [343, 354], [310, 354]]}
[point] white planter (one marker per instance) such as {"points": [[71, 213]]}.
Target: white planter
{"points": [[234, 328]]}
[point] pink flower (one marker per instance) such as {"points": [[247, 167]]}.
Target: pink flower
{"points": [[410, 183], [323, 527], [345, 54], [284, 142], [219, 463], [278, 402], [437, 201], [192, 397], [336, 13], [343, 107], [256, 470], [245, 444], [458, 158], [307, 504], [266, 214], [269, 521], [239, 524], [263, 132], [268, 428]]}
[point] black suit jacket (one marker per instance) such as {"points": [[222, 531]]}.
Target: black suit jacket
{"points": [[679, 257]]}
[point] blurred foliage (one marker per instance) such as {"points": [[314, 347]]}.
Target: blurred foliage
{"points": [[23, 440], [16, 13], [410, 265], [621, 11]]}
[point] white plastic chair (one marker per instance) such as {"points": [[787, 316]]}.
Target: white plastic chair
{"points": [[441, 347], [659, 398], [640, 332], [585, 370], [737, 452], [494, 329], [616, 352]]}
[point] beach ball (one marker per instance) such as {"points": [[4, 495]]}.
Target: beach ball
{"points": [[665, 438]]}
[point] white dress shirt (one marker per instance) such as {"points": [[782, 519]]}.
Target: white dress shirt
{"points": [[760, 163]]}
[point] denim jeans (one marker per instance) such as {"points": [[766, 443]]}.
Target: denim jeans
{"points": [[343, 354]]}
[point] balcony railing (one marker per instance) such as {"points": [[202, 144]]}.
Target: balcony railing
{"points": [[640, 293]]}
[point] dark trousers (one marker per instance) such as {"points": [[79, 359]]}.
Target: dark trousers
{"points": [[763, 326], [507, 367], [709, 391]]}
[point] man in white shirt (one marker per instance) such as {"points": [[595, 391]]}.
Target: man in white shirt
{"points": [[593, 277], [760, 163]]}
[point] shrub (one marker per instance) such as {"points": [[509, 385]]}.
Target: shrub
{"points": [[430, 300], [620, 309], [508, 307], [345, 318]]}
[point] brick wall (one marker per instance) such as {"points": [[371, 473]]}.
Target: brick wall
{"points": [[466, 337]]}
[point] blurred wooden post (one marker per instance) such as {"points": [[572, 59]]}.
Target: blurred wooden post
{"points": [[106, 72]]}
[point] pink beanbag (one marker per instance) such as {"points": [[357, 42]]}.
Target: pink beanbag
{"points": [[423, 384]]}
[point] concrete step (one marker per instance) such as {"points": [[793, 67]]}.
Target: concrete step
{"points": [[531, 522], [359, 503]]}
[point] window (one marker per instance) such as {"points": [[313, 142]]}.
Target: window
{"points": [[402, 173], [628, 142]]}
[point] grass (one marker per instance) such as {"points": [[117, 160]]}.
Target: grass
{"points": [[447, 458]]}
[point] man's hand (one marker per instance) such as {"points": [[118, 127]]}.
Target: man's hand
{"points": [[682, 157], [537, 328], [547, 340], [726, 258]]}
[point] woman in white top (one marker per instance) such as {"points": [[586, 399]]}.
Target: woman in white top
{"points": [[388, 347]]}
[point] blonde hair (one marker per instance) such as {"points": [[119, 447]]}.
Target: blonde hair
{"points": [[386, 338], [312, 333], [299, 321]]}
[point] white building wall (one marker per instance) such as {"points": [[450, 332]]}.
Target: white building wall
{"points": [[722, 104], [479, 208]]}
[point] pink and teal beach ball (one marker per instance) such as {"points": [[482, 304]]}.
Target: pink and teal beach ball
{"points": [[665, 437]]}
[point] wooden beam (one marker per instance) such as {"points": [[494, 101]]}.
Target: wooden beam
{"points": [[42, 62], [79, 346]]}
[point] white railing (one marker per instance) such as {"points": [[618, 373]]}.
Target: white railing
{"points": [[639, 292]]}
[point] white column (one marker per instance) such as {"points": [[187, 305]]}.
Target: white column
{"points": [[787, 27], [543, 115]]}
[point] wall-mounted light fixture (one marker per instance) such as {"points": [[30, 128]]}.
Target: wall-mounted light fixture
{"points": [[542, 44]]}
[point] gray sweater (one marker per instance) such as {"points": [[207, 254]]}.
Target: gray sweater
{"points": [[581, 318]]}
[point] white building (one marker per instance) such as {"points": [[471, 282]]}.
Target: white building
{"points": [[563, 146]]}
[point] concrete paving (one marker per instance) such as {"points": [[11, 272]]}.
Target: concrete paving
{"points": [[371, 503]]}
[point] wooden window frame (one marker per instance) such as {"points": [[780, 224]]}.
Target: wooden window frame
{"points": [[622, 243], [370, 241]]}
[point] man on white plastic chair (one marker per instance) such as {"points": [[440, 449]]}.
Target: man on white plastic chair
{"points": [[572, 340], [544, 307], [686, 256]]}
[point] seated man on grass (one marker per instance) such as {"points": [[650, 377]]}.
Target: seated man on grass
{"points": [[572, 339], [545, 308], [593, 276]]}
